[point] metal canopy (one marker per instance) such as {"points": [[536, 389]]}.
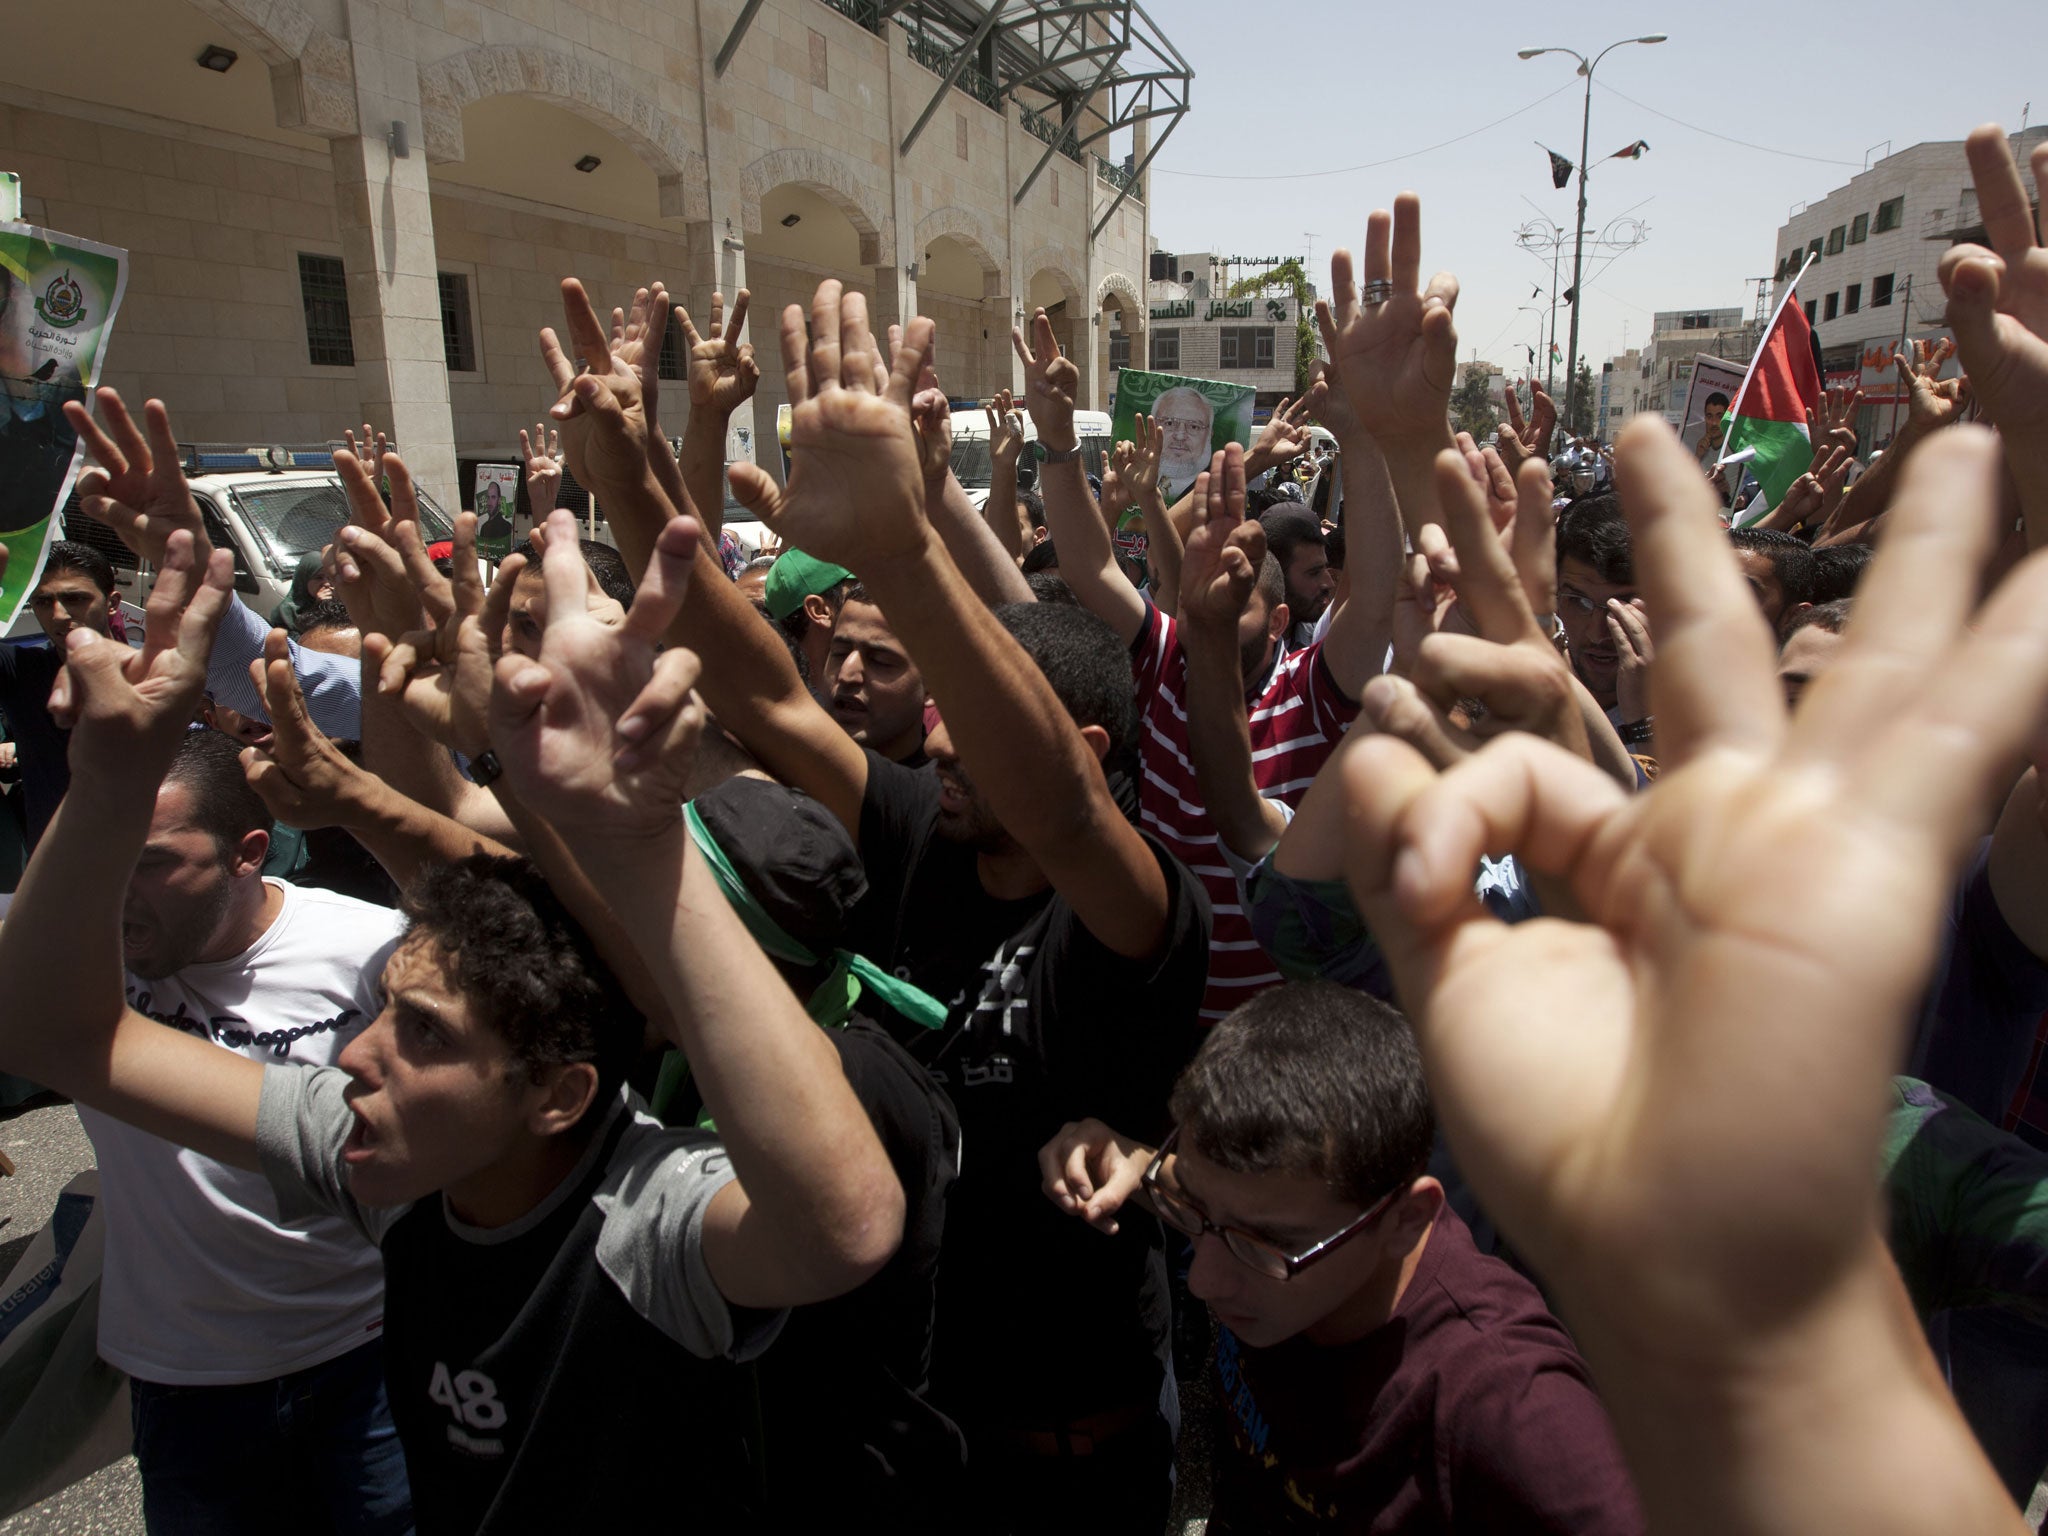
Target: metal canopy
{"points": [[1055, 57]]}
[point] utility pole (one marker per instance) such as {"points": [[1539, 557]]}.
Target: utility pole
{"points": [[1578, 296]]}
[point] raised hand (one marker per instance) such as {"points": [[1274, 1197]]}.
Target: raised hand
{"points": [[1835, 422], [856, 482], [1141, 474], [302, 777], [1629, 626], [542, 455], [1005, 432], [1220, 563], [596, 734], [370, 564], [1115, 497], [1627, 1096], [1528, 438], [1932, 401], [370, 448], [442, 676], [1285, 437], [1998, 302], [1396, 356], [1507, 664], [1090, 1170], [722, 371], [602, 410], [1052, 381], [931, 414], [137, 486], [127, 709]]}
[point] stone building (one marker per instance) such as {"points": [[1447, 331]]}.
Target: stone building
{"points": [[1200, 331], [351, 210]]}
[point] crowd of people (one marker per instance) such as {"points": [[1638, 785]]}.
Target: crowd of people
{"points": [[835, 1040]]}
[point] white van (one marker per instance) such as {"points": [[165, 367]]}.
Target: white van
{"points": [[268, 506], [970, 446]]}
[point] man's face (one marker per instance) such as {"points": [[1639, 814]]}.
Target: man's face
{"points": [[1293, 1213], [1582, 604], [438, 1095], [1763, 583], [183, 885], [1310, 582], [1715, 411], [1810, 652], [68, 600], [247, 729], [753, 586], [964, 817], [1183, 422], [872, 688]]}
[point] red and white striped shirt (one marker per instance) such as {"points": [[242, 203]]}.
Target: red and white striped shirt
{"points": [[1296, 723]]}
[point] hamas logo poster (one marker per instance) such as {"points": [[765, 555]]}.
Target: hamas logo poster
{"points": [[1195, 416], [58, 296]]}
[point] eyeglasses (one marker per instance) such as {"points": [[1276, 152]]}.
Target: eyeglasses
{"points": [[1255, 1253], [1567, 597]]}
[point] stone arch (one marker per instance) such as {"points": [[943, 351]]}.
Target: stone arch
{"points": [[625, 112], [1117, 285], [967, 229], [1050, 259], [828, 176], [312, 73]]}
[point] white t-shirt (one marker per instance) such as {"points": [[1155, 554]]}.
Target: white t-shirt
{"points": [[205, 1283]]}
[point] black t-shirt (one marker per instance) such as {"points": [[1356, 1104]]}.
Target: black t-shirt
{"points": [[1042, 1319], [853, 1441], [27, 673]]}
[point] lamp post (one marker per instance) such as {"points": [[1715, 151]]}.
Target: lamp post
{"points": [[1579, 240]]}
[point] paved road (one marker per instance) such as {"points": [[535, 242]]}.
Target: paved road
{"points": [[49, 1149]]}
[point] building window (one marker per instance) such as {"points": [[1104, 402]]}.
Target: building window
{"points": [[1165, 351], [1245, 346], [1859, 229], [324, 289], [1812, 249], [1832, 307], [1891, 214], [1852, 298], [1881, 291], [1811, 306], [1835, 238], [458, 335], [670, 364]]}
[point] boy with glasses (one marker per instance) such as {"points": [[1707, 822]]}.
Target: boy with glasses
{"points": [[1374, 1371]]}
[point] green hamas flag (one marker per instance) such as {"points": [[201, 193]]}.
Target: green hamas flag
{"points": [[58, 295], [1195, 416]]}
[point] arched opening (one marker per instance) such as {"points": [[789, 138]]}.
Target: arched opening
{"points": [[953, 283], [1121, 340], [1054, 291]]}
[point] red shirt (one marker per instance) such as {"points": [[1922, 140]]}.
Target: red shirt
{"points": [[1469, 1411], [1296, 723]]}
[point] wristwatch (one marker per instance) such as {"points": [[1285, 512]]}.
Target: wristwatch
{"points": [[1639, 733], [484, 768], [1056, 455]]}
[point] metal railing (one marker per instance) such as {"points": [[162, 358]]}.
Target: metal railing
{"points": [[938, 58], [862, 13], [1112, 174], [1044, 129]]}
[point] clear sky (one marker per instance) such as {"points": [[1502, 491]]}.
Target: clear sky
{"points": [[1293, 86]]}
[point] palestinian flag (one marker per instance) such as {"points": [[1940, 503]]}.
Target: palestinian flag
{"points": [[1769, 414]]}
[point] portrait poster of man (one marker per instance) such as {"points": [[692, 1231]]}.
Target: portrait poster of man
{"points": [[1715, 383], [497, 493], [1195, 416], [58, 297]]}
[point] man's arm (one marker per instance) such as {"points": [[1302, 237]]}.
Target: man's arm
{"points": [[749, 682], [1221, 571], [1003, 511], [596, 735], [1355, 648], [1087, 553], [989, 569], [722, 377], [331, 685], [66, 1023], [856, 497]]}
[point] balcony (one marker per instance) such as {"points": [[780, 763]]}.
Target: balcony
{"points": [[1044, 129], [1111, 174], [938, 58]]}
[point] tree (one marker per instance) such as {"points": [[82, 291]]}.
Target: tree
{"points": [[1583, 403], [1290, 278], [1472, 408]]}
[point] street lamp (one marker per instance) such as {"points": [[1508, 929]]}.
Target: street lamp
{"points": [[1579, 240]]}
